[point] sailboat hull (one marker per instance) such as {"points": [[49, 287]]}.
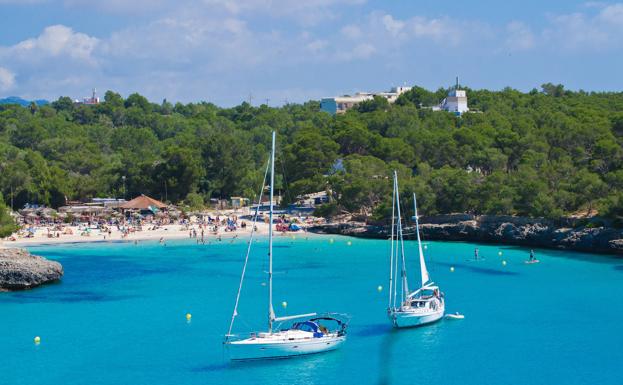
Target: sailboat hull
{"points": [[258, 350], [406, 318]]}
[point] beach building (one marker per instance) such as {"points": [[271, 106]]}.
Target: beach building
{"points": [[113, 203], [144, 203], [456, 101], [341, 104], [238, 202]]}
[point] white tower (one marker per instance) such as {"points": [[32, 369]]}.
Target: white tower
{"points": [[456, 101]]}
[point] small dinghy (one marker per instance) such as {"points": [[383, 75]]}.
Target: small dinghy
{"points": [[455, 316]]}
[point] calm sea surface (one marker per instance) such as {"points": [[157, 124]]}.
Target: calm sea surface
{"points": [[118, 316]]}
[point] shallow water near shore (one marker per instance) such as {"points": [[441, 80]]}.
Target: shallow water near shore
{"points": [[118, 315]]}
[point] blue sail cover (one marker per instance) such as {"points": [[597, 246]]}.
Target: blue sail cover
{"points": [[308, 326]]}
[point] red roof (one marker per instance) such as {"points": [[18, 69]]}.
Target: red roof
{"points": [[143, 202]]}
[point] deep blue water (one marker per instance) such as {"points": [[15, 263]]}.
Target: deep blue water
{"points": [[118, 316]]}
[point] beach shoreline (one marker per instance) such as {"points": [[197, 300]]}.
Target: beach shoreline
{"points": [[163, 233]]}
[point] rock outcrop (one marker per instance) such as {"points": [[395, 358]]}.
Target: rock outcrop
{"points": [[21, 270], [497, 229]]}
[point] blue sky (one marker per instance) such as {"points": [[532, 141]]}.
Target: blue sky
{"points": [[224, 50]]}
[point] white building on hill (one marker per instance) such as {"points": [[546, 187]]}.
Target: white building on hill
{"points": [[456, 101], [341, 104]]}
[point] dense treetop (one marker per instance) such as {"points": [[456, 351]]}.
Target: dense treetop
{"points": [[544, 153]]}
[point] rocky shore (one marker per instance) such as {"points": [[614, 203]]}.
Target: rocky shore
{"points": [[565, 234], [21, 270]]}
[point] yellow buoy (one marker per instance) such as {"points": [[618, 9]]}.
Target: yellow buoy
{"points": [[284, 304], [503, 263], [349, 243], [379, 288], [331, 240], [452, 269], [500, 253], [37, 340], [189, 316]]}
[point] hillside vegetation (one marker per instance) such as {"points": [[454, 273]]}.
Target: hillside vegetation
{"points": [[544, 153]]}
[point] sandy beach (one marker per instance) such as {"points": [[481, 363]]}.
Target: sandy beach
{"points": [[166, 232]]}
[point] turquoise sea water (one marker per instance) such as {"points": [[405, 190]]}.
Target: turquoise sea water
{"points": [[118, 316]]}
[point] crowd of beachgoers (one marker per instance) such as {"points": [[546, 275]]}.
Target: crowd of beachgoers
{"points": [[203, 228]]}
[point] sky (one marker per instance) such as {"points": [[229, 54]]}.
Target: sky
{"points": [[278, 51]]}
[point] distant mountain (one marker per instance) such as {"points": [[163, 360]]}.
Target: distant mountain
{"points": [[22, 102]]}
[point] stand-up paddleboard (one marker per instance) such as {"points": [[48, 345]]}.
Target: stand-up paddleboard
{"points": [[455, 316], [531, 262]]}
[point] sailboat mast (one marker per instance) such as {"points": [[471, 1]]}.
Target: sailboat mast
{"points": [[423, 270], [271, 312], [391, 254], [401, 245]]}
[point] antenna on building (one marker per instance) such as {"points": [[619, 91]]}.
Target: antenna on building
{"points": [[94, 92], [457, 82]]}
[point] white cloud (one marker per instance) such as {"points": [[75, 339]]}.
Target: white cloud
{"points": [[118, 6], [308, 12], [383, 34], [520, 36], [54, 41], [22, 2], [587, 31], [393, 26], [612, 14], [7, 79], [359, 52], [174, 43], [351, 31], [317, 45]]}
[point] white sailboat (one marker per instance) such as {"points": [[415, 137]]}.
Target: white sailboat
{"points": [[310, 334], [412, 308]]}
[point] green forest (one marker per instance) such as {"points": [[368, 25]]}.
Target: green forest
{"points": [[546, 153]]}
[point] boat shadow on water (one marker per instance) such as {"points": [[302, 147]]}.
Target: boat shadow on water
{"points": [[393, 343], [303, 362], [374, 330]]}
